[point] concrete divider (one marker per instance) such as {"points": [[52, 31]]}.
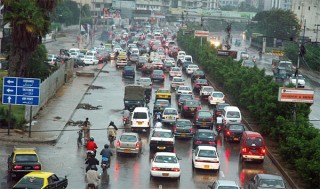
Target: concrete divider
{"points": [[85, 74]]}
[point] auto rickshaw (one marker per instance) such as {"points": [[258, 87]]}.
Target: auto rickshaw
{"points": [[280, 74]]}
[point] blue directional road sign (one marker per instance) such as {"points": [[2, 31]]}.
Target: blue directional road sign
{"points": [[21, 91]]}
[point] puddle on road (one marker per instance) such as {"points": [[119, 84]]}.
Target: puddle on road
{"points": [[94, 86], [88, 106]]}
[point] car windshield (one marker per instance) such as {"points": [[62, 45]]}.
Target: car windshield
{"points": [[140, 115], [175, 69], [236, 127], [88, 57], [185, 97], [166, 159], [233, 114], [204, 114], [221, 106], [205, 135], [129, 68], [207, 153], [193, 66], [145, 80], [299, 77], [158, 72], [184, 88], [31, 182], [257, 141], [271, 183], [128, 138], [184, 123], [170, 112], [201, 81], [217, 95], [162, 134], [26, 158]]}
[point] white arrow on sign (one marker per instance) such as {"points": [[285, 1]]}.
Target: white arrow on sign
{"points": [[9, 90], [9, 99], [10, 81]]}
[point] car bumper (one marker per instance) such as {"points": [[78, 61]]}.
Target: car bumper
{"points": [[169, 174], [215, 102], [204, 165], [160, 147], [257, 157], [183, 135], [173, 120], [128, 150], [203, 123]]}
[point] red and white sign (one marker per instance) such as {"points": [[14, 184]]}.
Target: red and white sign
{"points": [[296, 95], [199, 33]]}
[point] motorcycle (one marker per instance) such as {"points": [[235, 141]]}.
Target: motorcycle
{"points": [[105, 164], [125, 120], [219, 128], [254, 60]]}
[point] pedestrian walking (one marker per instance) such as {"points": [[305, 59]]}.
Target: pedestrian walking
{"points": [[86, 128]]}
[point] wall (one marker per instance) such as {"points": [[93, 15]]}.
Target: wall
{"points": [[50, 86]]}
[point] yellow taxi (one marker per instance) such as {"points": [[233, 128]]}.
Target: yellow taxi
{"points": [[41, 180], [23, 161], [122, 55], [163, 93]]}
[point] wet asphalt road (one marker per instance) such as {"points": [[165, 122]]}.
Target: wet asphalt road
{"points": [[65, 158]]}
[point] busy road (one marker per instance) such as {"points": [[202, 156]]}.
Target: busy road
{"points": [[65, 158]]}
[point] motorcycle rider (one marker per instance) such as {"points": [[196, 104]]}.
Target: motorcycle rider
{"points": [[126, 115], [92, 162], [106, 153], [254, 59], [92, 178], [92, 146], [158, 116], [86, 128], [260, 54], [219, 124], [112, 131]]}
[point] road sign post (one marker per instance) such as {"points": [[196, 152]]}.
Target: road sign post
{"points": [[21, 91]]}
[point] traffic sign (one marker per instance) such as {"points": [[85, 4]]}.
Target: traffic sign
{"points": [[21, 91], [296, 95], [199, 33]]}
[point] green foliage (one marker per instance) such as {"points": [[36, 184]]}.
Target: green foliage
{"points": [[251, 89], [68, 12], [17, 116]]}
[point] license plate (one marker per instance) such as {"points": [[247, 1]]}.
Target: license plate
{"points": [[165, 174], [206, 166], [139, 123], [192, 109], [170, 117], [204, 123], [161, 147], [127, 150], [236, 139], [27, 168], [183, 135]]}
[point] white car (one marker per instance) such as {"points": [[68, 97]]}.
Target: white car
{"points": [[191, 68], [218, 184], [301, 80], [165, 164], [206, 157], [187, 58], [216, 97], [181, 53], [90, 60], [162, 140], [182, 89], [176, 81], [170, 115], [74, 55], [175, 72], [180, 57], [206, 91], [145, 82]]}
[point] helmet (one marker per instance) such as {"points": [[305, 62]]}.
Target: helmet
{"points": [[111, 123], [91, 139], [106, 146]]}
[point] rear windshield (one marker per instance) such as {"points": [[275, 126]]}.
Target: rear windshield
{"points": [[128, 138], [204, 114], [218, 95], [177, 80], [271, 183], [162, 134], [201, 81], [206, 135], [162, 103], [233, 114], [170, 112], [30, 183], [209, 89], [207, 153], [191, 103], [254, 141], [184, 123], [236, 127], [175, 69], [165, 159], [26, 158], [140, 115]]}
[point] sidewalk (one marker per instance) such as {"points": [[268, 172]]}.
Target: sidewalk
{"points": [[54, 116]]}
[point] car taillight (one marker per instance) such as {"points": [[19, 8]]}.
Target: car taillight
{"points": [[198, 142], [223, 98], [244, 150], [118, 143], [190, 92], [155, 169], [185, 107], [175, 128], [124, 72], [163, 76], [196, 85], [37, 167], [152, 75], [137, 145], [169, 142], [228, 133], [197, 117], [211, 118], [212, 143], [17, 167], [199, 108], [144, 67], [263, 150], [176, 169], [192, 129], [224, 122]]}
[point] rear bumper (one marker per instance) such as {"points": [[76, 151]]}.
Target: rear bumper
{"points": [[161, 147], [257, 157], [128, 150], [183, 135]]}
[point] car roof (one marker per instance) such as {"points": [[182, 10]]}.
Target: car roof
{"points": [[140, 109], [227, 183], [170, 108], [163, 89], [40, 174], [205, 130], [130, 133], [207, 148], [269, 176], [164, 130], [230, 108], [24, 150], [165, 154]]}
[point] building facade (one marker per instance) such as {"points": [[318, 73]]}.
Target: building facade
{"points": [[277, 4], [196, 4]]}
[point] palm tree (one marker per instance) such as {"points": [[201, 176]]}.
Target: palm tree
{"points": [[30, 21]]}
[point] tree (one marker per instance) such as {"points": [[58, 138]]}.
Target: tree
{"points": [[30, 21]]}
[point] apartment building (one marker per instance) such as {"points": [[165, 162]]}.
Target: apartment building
{"points": [[277, 4], [196, 4]]}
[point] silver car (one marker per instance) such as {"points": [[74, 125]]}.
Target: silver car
{"points": [[129, 143]]}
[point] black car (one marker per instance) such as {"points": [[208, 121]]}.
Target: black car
{"points": [[204, 137], [78, 62], [266, 181], [128, 71], [198, 83], [183, 128], [203, 119], [162, 140], [217, 110], [184, 97], [197, 75], [160, 105], [190, 107], [233, 132]]}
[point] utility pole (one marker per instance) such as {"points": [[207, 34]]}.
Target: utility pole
{"points": [[80, 37], [201, 29], [182, 19], [317, 25]]}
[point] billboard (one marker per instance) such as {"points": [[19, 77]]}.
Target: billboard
{"points": [[227, 53], [199, 33], [295, 95]]}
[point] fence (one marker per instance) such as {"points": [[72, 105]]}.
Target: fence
{"points": [[50, 86]]}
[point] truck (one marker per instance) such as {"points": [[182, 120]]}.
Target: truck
{"points": [[134, 96], [279, 65]]}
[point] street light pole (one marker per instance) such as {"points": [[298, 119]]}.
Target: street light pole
{"points": [[317, 25], [80, 38]]}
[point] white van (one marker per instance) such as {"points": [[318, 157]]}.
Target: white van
{"points": [[187, 58], [74, 50], [140, 118], [231, 114]]}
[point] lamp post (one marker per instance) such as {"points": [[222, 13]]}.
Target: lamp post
{"points": [[80, 15], [317, 25]]}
